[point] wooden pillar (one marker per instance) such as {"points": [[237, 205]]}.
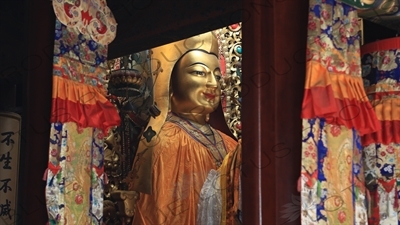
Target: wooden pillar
{"points": [[36, 126], [274, 41]]}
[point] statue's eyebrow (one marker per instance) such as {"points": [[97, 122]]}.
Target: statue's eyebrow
{"points": [[219, 69], [198, 63]]}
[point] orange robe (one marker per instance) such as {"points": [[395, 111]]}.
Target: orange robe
{"points": [[180, 167]]}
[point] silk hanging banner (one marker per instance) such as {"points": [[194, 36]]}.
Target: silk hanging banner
{"points": [[10, 130], [91, 18]]}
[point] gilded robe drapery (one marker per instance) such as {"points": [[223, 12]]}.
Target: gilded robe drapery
{"points": [[181, 164]]}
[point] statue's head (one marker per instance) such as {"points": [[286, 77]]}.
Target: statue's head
{"points": [[186, 75], [195, 83]]}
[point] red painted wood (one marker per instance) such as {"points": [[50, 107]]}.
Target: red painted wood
{"points": [[274, 40]]}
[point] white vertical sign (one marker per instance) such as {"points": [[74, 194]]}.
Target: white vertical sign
{"points": [[10, 130]]}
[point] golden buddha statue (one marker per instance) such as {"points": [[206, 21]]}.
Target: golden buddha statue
{"points": [[181, 157]]}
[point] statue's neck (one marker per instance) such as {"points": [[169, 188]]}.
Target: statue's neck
{"points": [[198, 122], [194, 118]]}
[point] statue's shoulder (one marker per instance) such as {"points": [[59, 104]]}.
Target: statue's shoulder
{"points": [[170, 132], [170, 128], [229, 142]]}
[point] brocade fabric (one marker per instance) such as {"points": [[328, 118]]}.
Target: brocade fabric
{"points": [[381, 74], [80, 116], [74, 187], [332, 180], [336, 113]]}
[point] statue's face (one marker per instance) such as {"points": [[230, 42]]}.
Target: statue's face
{"points": [[195, 83]]}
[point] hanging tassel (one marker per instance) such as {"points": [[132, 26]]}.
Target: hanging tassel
{"points": [[46, 172], [356, 192], [369, 204], [396, 199], [375, 210], [106, 180], [376, 198], [388, 204], [318, 188]]}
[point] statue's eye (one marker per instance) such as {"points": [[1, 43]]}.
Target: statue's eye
{"points": [[199, 73]]}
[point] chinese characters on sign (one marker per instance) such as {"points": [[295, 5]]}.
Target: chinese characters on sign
{"points": [[9, 159]]}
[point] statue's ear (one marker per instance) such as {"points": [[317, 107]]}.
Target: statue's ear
{"points": [[217, 121]]}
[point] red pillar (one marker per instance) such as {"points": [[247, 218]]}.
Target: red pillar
{"points": [[274, 41]]}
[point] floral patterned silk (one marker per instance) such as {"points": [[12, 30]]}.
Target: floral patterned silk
{"points": [[336, 113], [381, 73], [75, 177], [332, 178], [80, 115], [89, 17]]}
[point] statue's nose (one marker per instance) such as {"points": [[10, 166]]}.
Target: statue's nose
{"points": [[212, 81]]}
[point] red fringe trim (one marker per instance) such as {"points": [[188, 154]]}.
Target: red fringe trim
{"points": [[381, 45], [390, 133], [100, 115], [320, 102]]}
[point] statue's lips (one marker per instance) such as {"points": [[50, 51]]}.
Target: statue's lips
{"points": [[209, 96]]}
